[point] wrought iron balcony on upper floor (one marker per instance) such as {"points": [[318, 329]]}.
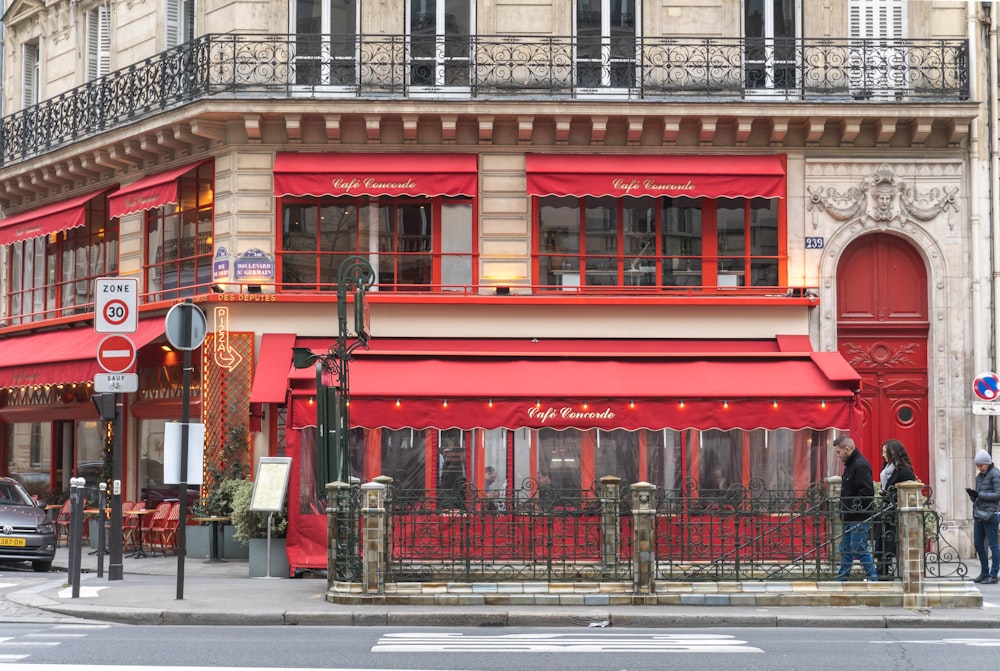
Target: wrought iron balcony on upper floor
{"points": [[494, 67]]}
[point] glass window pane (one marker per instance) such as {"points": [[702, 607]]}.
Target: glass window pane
{"points": [[682, 243], [601, 240], [456, 246], [559, 240], [559, 458], [720, 460], [616, 455]]}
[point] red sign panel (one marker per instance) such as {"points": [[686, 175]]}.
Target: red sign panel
{"points": [[116, 353]]}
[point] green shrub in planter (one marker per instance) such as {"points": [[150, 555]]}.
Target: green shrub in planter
{"points": [[252, 524]]}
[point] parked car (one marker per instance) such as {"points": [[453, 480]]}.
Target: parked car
{"points": [[26, 534], [38, 483]]}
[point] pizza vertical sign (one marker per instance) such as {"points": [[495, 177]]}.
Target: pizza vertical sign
{"points": [[116, 304]]}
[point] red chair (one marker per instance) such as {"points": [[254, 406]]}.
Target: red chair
{"points": [[62, 521]]}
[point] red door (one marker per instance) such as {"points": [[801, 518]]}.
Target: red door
{"points": [[882, 330]]}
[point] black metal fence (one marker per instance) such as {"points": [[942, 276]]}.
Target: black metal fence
{"points": [[492, 66], [540, 533]]}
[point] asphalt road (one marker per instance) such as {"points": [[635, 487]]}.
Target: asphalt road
{"points": [[87, 646]]}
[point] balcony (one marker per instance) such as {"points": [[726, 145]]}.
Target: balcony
{"points": [[490, 68]]}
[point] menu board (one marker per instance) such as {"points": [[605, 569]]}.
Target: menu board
{"points": [[270, 484]]}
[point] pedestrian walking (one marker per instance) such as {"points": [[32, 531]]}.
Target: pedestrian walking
{"points": [[857, 496], [986, 517], [897, 468]]}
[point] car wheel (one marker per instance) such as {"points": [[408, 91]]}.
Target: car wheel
{"points": [[41, 566]]}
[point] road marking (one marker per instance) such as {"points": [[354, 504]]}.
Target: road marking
{"points": [[973, 642], [590, 642], [13, 658], [132, 667], [85, 591]]}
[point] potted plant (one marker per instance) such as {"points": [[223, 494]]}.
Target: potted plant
{"points": [[223, 474], [251, 530]]}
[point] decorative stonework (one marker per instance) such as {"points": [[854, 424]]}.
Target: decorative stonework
{"points": [[882, 200], [881, 355]]}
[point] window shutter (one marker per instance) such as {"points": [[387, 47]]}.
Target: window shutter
{"points": [[98, 43], [29, 75], [877, 19], [172, 23]]}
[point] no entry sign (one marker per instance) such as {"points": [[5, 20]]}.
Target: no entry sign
{"points": [[116, 353]]}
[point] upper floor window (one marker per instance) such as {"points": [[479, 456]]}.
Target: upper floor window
{"points": [[606, 43], [53, 275], [770, 28], [98, 42], [604, 242], [178, 259], [412, 243], [326, 49], [439, 42]]}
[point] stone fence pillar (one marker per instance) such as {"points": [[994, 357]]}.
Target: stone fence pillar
{"points": [[643, 538], [610, 524], [387, 481], [911, 543], [373, 538], [337, 498], [833, 489]]}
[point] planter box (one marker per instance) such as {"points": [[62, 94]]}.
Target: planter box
{"points": [[198, 541], [228, 546], [258, 558]]}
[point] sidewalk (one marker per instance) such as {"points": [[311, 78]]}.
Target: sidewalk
{"points": [[222, 594]]}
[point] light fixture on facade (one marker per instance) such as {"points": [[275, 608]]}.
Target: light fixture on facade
{"points": [[822, 404], [397, 402], [445, 403], [725, 405], [502, 290], [681, 404], [538, 402], [774, 404], [631, 404], [585, 405], [491, 402]]}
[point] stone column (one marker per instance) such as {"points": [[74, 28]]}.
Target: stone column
{"points": [[911, 543], [610, 524], [336, 493], [643, 538], [373, 538], [833, 487], [387, 561]]}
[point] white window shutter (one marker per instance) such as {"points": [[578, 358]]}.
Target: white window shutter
{"points": [[29, 75], [98, 42], [172, 23], [877, 19]]}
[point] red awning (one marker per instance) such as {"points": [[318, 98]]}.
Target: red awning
{"points": [[694, 176], [148, 192], [61, 357], [329, 174], [270, 379], [587, 384], [61, 216]]}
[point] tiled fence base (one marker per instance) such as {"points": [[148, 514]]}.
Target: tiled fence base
{"points": [[886, 594]]}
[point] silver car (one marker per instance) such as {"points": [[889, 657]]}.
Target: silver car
{"points": [[26, 534]]}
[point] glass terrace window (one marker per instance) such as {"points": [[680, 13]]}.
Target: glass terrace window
{"points": [[53, 275], [658, 243], [178, 259], [413, 244]]}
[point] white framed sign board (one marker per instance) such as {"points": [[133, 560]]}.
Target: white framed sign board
{"points": [[270, 484]]}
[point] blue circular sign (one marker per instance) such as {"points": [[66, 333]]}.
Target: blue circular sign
{"points": [[987, 387]]}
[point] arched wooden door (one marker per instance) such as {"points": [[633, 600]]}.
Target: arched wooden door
{"points": [[882, 327]]}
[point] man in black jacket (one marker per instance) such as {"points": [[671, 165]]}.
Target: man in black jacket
{"points": [[856, 497]]}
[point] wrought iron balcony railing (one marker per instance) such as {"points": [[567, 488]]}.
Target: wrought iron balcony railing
{"points": [[489, 66]]}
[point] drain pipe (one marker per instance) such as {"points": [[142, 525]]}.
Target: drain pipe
{"points": [[994, 191]]}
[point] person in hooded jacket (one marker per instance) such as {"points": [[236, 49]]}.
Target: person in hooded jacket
{"points": [[986, 517]]}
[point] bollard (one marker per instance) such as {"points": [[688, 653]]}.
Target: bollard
{"points": [[76, 532], [101, 517]]}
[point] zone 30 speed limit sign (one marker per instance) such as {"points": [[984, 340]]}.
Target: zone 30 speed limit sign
{"points": [[116, 303]]}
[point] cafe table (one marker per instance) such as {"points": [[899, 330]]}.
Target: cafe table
{"points": [[216, 521], [140, 515]]}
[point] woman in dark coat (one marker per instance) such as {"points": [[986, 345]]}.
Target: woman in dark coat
{"points": [[897, 468]]}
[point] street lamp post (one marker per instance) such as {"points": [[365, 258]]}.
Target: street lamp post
{"points": [[332, 412]]}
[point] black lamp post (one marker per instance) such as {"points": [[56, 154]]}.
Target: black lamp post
{"points": [[332, 402]]}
